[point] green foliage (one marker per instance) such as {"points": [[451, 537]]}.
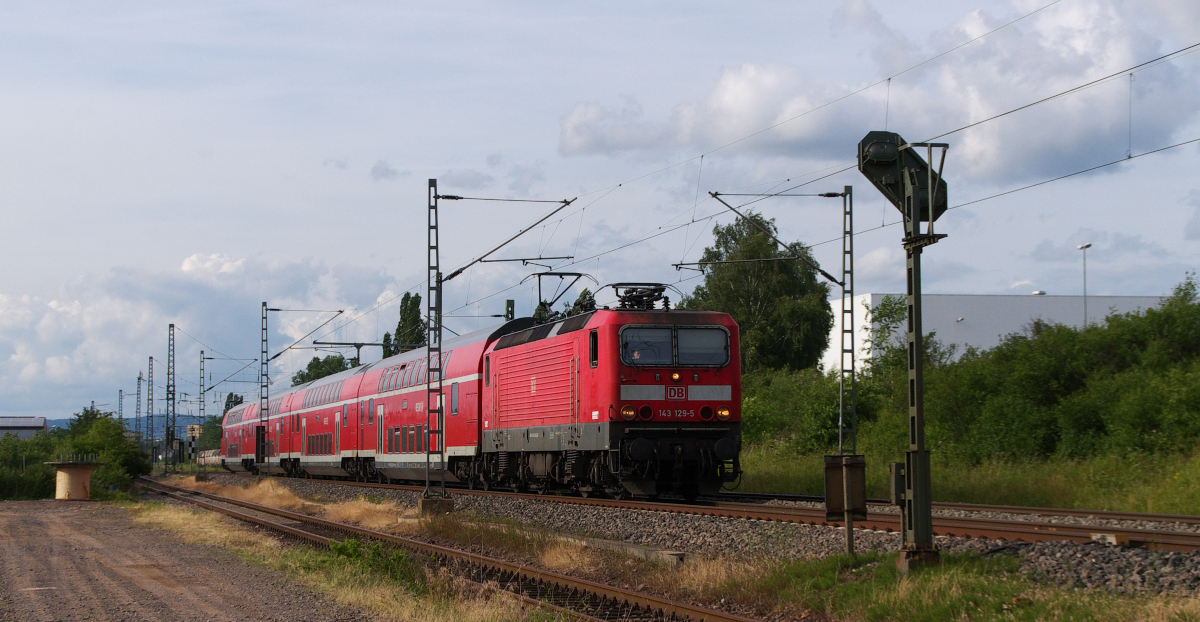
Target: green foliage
{"points": [[411, 331], [210, 433], [780, 306], [1126, 389], [89, 432], [584, 303], [800, 405], [319, 368], [397, 565], [231, 400]]}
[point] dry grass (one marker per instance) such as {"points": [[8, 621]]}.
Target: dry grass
{"points": [[568, 557], [365, 513], [204, 528], [445, 598]]}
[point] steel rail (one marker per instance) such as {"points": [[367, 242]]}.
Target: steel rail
{"points": [[986, 507], [996, 529], [632, 603], [324, 541]]}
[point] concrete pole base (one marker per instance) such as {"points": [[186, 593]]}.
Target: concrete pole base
{"points": [[918, 558], [427, 508], [73, 480]]}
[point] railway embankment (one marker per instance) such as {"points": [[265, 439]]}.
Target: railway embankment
{"points": [[1113, 569]]}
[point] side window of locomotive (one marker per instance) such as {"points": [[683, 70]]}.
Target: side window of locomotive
{"points": [[593, 349], [454, 399], [646, 346], [487, 371], [703, 346]]}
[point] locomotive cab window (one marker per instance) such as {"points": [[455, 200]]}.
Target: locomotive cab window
{"points": [[646, 346], [487, 371], [692, 346], [703, 346], [593, 349]]}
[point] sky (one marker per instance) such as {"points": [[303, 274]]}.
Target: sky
{"points": [[182, 163]]}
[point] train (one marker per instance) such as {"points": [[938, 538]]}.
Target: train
{"points": [[635, 400]]}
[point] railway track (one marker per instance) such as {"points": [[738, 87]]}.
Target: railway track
{"points": [[575, 597], [983, 507], [966, 527]]}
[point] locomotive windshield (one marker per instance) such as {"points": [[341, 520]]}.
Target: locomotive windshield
{"points": [[703, 346], [646, 346], [679, 345]]}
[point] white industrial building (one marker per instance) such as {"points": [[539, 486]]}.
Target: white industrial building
{"points": [[981, 320]]}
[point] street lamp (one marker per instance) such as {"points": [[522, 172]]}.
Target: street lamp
{"points": [[1084, 247]]}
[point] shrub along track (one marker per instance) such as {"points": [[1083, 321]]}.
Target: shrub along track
{"points": [[964, 527], [577, 597]]}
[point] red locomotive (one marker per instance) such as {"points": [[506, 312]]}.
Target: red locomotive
{"points": [[632, 400]]}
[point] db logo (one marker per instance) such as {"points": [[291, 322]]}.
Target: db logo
{"points": [[677, 393]]}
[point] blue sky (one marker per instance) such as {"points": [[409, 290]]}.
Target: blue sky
{"points": [[181, 163]]}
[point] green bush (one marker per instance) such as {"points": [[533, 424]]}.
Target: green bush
{"points": [[1129, 385], [89, 432]]}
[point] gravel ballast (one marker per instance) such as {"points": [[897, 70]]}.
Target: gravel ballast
{"points": [[1064, 564]]}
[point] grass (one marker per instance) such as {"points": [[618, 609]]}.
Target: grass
{"points": [[1134, 483], [961, 587], [396, 586], [389, 585]]}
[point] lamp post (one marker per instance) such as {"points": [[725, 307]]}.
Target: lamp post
{"points": [[1084, 247]]}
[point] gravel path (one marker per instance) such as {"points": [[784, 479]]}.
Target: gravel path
{"points": [[76, 560], [1066, 564]]}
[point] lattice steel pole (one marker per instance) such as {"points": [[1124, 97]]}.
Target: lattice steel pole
{"points": [[170, 419], [260, 430], [150, 407], [137, 414], [433, 380], [847, 400]]}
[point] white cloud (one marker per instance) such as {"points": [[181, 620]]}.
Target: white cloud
{"points": [[1192, 230], [97, 332], [381, 170], [218, 264], [1055, 50], [466, 179]]}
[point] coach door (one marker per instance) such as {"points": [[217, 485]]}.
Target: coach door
{"points": [[304, 436], [338, 417]]}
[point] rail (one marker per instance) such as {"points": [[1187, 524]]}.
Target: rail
{"points": [[560, 592], [990, 528]]}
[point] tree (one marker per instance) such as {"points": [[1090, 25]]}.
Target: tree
{"points": [[319, 368], [411, 330], [210, 433], [231, 400], [780, 306], [584, 303], [387, 345]]}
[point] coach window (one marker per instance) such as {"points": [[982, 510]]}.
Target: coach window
{"points": [[593, 348], [370, 412], [703, 346], [343, 415], [454, 399]]}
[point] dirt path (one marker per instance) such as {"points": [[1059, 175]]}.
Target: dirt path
{"points": [[73, 560]]}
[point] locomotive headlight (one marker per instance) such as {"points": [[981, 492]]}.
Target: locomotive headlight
{"points": [[723, 413], [675, 377], [628, 412]]}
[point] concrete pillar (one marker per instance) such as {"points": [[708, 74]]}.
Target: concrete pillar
{"points": [[73, 480]]}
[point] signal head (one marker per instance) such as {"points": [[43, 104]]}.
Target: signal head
{"points": [[898, 173]]}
